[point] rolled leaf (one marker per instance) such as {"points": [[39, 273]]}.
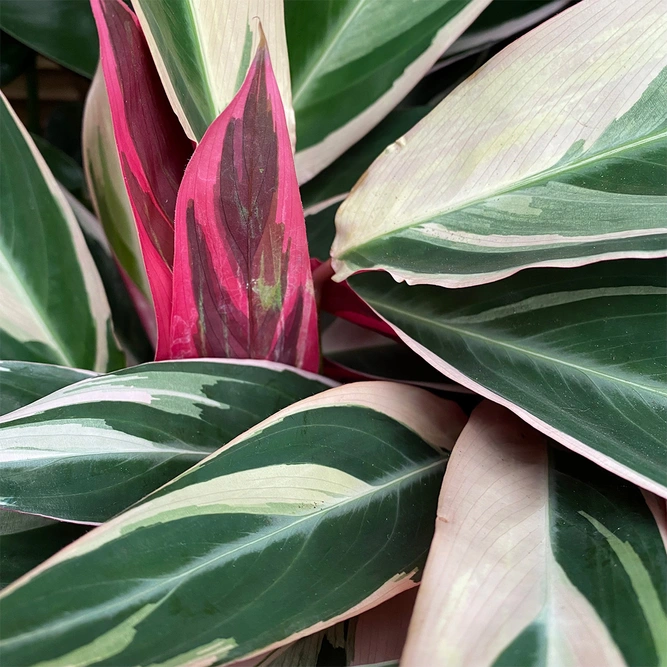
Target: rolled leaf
{"points": [[552, 154], [107, 187], [579, 354], [90, 450], [22, 382], [539, 557], [151, 146], [203, 48], [219, 559], [242, 280], [353, 61], [54, 308]]}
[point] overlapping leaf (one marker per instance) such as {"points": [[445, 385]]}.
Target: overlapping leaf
{"points": [[553, 154], [352, 61], [242, 281], [223, 560], [54, 308], [88, 451], [109, 196], [203, 48], [539, 557], [580, 353], [151, 146]]}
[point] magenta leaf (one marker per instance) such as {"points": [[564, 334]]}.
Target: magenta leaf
{"points": [[152, 147], [242, 281]]}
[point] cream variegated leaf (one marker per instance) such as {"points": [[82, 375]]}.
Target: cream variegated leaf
{"points": [[552, 154], [203, 48], [539, 558]]}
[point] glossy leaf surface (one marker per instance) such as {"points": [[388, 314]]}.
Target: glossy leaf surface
{"points": [[22, 382], [151, 146], [203, 48], [54, 308], [62, 30], [353, 61], [219, 559], [26, 541], [539, 557], [552, 154], [90, 450], [579, 354], [242, 280]]}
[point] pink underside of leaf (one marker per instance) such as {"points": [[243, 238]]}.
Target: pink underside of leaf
{"points": [[219, 308], [152, 147], [340, 300]]}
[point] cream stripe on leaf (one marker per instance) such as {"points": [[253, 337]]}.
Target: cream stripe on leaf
{"points": [[91, 449], [203, 48], [552, 154], [335, 496], [540, 558], [53, 307], [353, 61], [579, 354], [22, 382]]}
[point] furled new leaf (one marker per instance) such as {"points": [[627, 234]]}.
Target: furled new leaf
{"points": [[53, 306], [22, 382], [539, 557], [579, 353], [107, 188], [353, 61], [552, 154], [90, 450], [220, 559], [203, 48], [151, 146], [242, 281]]}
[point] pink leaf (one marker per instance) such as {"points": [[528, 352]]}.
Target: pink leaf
{"points": [[242, 281], [152, 147]]}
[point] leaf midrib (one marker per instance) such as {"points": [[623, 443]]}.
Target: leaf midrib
{"points": [[73, 619], [546, 175], [517, 348]]}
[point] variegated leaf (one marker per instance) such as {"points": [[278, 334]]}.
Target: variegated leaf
{"points": [[203, 48], [552, 154], [52, 303], [22, 382], [152, 148], [539, 558], [219, 559], [109, 196], [579, 354], [353, 61], [242, 281], [88, 451]]}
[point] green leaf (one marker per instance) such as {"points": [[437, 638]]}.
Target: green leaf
{"points": [[26, 541], [539, 557], [202, 50], [62, 30], [64, 168], [54, 306], [90, 450], [22, 382], [580, 354], [319, 513], [546, 156], [352, 61]]}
